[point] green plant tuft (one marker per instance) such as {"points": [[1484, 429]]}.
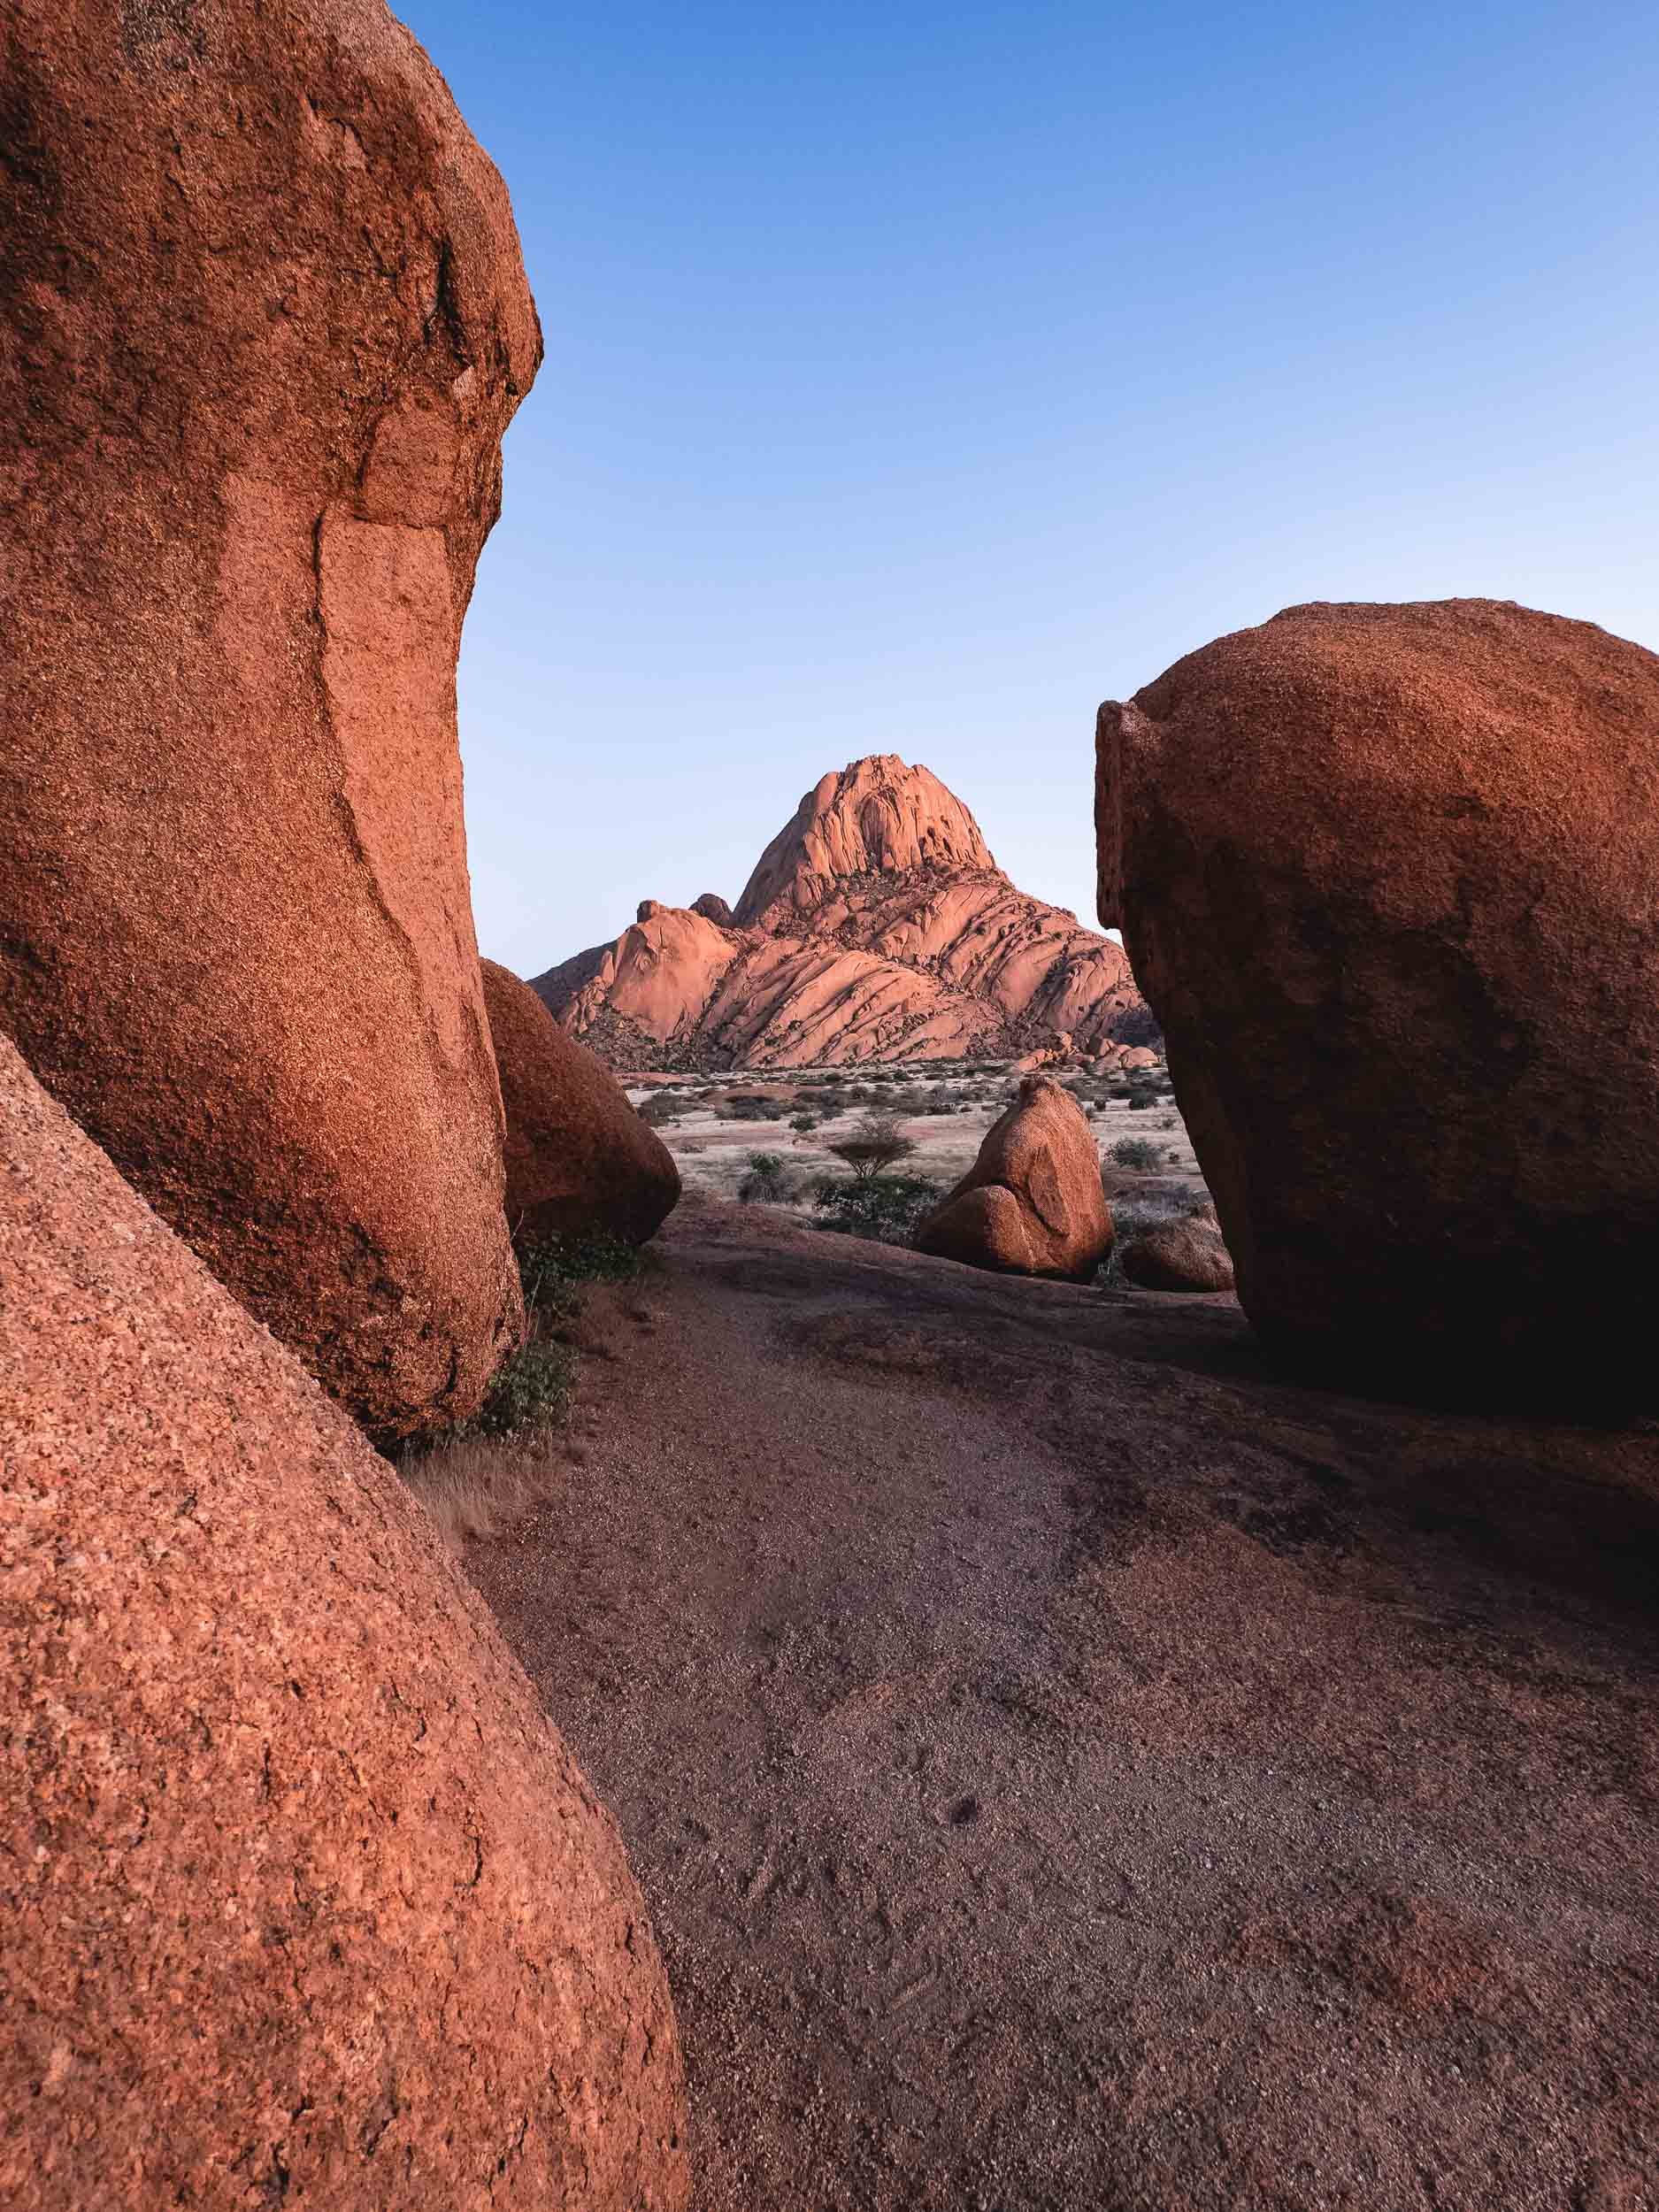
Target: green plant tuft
{"points": [[770, 1179], [553, 1269], [531, 1391], [664, 1107], [885, 1208]]}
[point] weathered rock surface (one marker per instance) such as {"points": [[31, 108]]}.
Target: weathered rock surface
{"points": [[266, 322], [1187, 1255], [878, 817], [304, 1900], [1032, 1203], [876, 925], [579, 1157], [1387, 877]]}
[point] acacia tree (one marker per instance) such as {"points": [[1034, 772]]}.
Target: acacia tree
{"points": [[875, 1143]]}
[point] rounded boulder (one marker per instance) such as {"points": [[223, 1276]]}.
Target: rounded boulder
{"points": [[305, 1900], [1387, 877], [1187, 1255], [579, 1157], [1032, 1203]]}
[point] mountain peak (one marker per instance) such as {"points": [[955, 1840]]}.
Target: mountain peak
{"points": [[876, 926], [878, 817]]}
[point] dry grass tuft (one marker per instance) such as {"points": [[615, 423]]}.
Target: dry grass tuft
{"points": [[475, 1486]]}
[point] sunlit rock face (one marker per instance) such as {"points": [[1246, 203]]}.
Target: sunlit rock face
{"points": [[876, 925], [266, 321], [1032, 1203], [305, 1899]]}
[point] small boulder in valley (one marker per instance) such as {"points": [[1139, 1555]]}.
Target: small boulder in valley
{"points": [[1032, 1203], [579, 1157], [1187, 1255]]}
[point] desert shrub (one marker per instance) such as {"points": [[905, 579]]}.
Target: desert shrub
{"points": [[1135, 1211], [875, 1144], [553, 1270], [1136, 1152], [532, 1387], [531, 1391], [886, 1208], [750, 1106], [941, 1100], [1140, 1104], [769, 1180], [662, 1107], [804, 1125]]}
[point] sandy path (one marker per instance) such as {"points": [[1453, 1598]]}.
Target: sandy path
{"points": [[1069, 1768]]}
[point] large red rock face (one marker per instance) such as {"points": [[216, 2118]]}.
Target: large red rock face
{"points": [[876, 926], [579, 1157], [1032, 1201], [1387, 874], [304, 1901], [266, 323]]}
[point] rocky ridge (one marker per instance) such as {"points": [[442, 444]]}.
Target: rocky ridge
{"points": [[876, 926]]}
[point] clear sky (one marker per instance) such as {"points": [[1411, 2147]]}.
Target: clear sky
{"points": [[918, 375]]}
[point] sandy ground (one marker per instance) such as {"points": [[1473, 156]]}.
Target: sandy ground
{"points": [[1070, 1767], [713, 1153]]}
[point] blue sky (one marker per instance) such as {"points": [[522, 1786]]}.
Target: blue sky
{"points": [[918, 376]]}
